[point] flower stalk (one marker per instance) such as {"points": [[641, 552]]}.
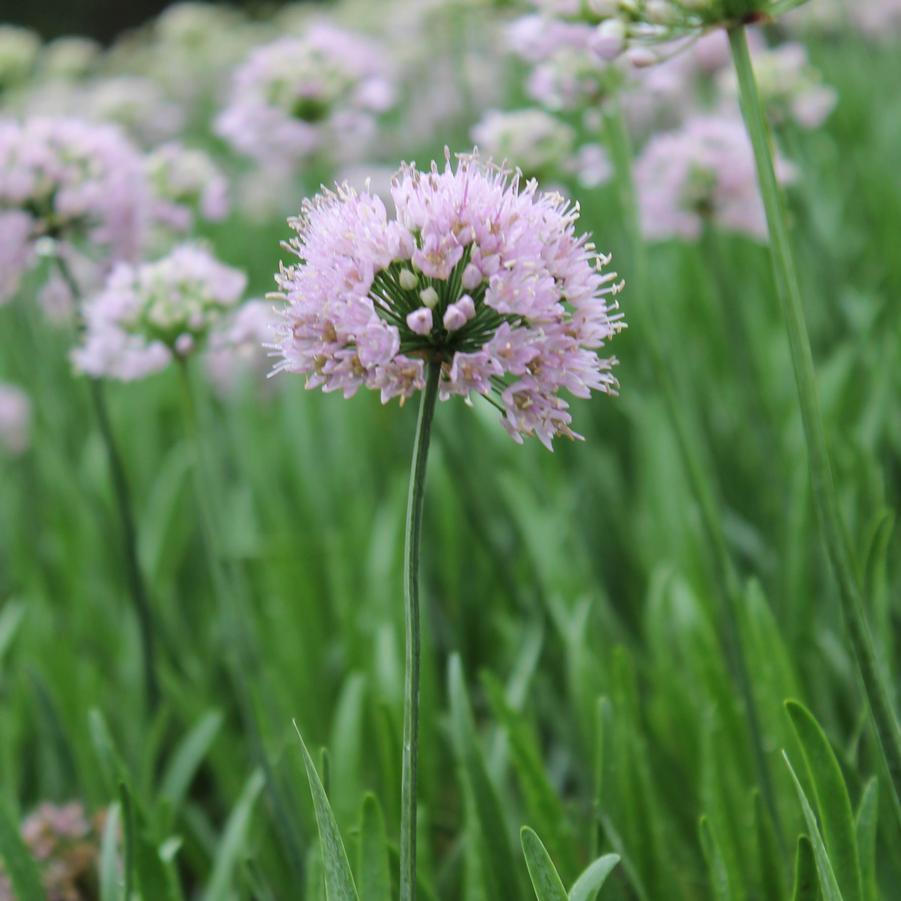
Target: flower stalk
{"points": [[622, 157], [412, 657], [822, 481], [137, 587]]}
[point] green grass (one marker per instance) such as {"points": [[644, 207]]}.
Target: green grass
{"points": [[573, 675]]}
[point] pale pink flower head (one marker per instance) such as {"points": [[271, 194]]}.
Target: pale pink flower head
{"points": [[701, 173], [151, 313], [78, 182], [15, 419], [298, 96], [186, 183], [475, 271]]}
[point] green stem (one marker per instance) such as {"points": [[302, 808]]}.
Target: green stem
{"points": [[822, 482], [137, 587], [698, 475], [412, 542]]}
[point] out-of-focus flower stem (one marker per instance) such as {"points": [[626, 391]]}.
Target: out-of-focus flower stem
{"points": [[822, 481], [699, 480], [137, 587], [412, 543]]}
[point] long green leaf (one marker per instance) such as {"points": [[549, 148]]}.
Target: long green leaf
{"points": [[593, 877], [187, 758], [806, 886], [833, 803], [20, 866], [339, 881], [866, 822], [234, 839], [110, 883], [374, 873], [825, 872], [716, 865], [542, 872]]}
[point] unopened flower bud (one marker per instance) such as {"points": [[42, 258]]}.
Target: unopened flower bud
{"points": [[642, 58], [459, 313], [471, 278], [184, 344], [429, 297], [420, 321], [609, 39], [408, 280], [603, 8]]}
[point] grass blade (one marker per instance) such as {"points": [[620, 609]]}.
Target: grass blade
{"points": [[593, 877], [339, 881], [716, 865], [866, 822], [826, 874], [542, 872], [234, 839], [110, 882], [833, 803], [806, 883], [187, 758]]}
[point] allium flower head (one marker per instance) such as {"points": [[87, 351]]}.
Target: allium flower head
{"points": [[78, 182], [68, 58], [703, 172], [15, 415], [151, 313], [474, 271], [531, 139], [185, 182], [138, 105], [298, 95]]}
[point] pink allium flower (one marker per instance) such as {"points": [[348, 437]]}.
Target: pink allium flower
{"points": [[236, 347], [703, 172], [77, 181], [138, 105], [298, 96], [185, 182], [466, 234], [15, 417], [151, 313]]}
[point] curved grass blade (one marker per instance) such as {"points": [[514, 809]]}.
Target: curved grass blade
{"points": [[542, 872], [593, 877], [339, 881], [234, 840], [866, 822], [828, 883], [20, 866], [716, 865], [806, 885], [187, 758], [831, 796]]}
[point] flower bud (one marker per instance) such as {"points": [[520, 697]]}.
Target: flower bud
{"points": [[429, 297], [459, 313], [420, 321], [609, 39], [408, 280], [471, 278]]}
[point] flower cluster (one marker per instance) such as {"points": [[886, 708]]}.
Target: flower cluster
{"points": [[66, 847], [152, 313], [185, 182], [701, 173], [297, 95], [15, 415], [475, 272], [74, 181]]}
